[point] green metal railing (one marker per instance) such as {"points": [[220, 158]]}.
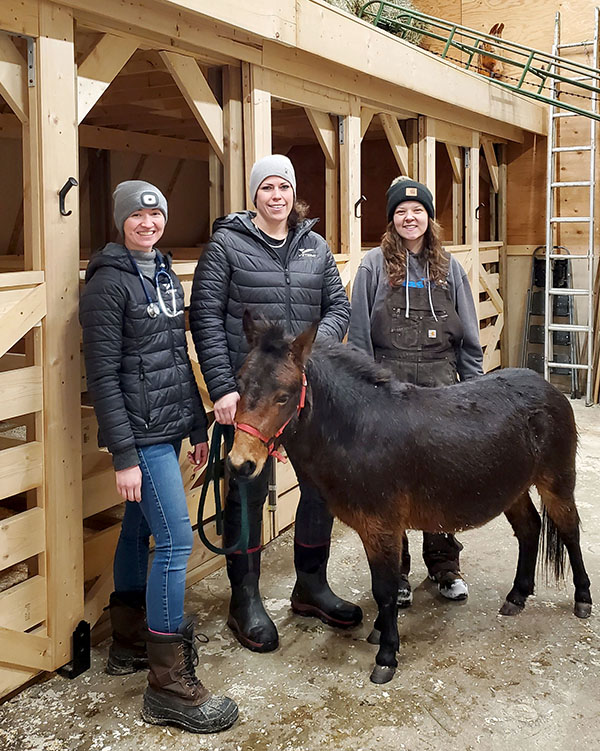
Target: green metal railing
{"points": [[528, 71]]}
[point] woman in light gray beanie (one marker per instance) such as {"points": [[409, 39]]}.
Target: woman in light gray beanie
{"points": [[269, 262], [146, 400]]}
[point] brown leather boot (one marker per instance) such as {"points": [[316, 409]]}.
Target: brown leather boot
{"points": [[174, 695], [127, 653]]}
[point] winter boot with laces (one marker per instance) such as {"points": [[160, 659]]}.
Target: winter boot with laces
{"points": [[127, 653], [175, 696]]}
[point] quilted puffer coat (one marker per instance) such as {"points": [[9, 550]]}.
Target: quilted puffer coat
{"points": [[139, 375], [239, 271]]}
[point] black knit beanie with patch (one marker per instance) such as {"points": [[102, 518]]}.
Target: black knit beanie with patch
{"points": [[404, 189]]}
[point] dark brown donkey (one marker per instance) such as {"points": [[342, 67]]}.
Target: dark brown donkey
{"points": [[389, 457]]}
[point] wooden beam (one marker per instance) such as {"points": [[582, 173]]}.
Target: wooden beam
{"points": [[24, 604], [99, 68], [21, 392], [366, 115], [427, 153], [21, 535], [492, 163], [57, 146], [326, 134], [257, 118], [199, 97], [472, 228], [233, 141], [456, 161], [13, 78], [350, 186], [396, 140], [141, 143], [25, 309], [25, 650]]}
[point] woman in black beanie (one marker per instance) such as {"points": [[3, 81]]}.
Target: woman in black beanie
{"points": [[146, 400], [413, 311]]}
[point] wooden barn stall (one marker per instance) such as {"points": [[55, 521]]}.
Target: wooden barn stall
{"points": [[189, 95]]}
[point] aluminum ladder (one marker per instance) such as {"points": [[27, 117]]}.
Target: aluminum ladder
{"points": [[555, 219]]}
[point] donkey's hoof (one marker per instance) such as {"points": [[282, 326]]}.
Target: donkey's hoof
{"points": [[509, 608], [374, 637], [382, 674], [583, 609]]}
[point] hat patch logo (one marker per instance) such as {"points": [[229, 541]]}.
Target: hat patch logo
{"points": [[411, 192], [149, 199]]}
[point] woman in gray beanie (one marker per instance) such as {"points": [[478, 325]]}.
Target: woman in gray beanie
{"points": [[412, 310], [141, 384], [271, 263]]}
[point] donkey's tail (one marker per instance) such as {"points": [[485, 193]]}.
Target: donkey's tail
{"points": [[553, 560]]}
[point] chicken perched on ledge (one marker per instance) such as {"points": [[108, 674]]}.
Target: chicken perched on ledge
{"points": [[489, 66]]}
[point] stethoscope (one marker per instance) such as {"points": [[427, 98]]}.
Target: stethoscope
{"points": [[162, 276]]}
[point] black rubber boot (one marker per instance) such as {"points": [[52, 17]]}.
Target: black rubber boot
{"points": [[127, 653], [174, 695], [248, 618], [312, 595]]}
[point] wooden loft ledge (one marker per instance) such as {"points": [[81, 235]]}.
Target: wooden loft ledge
{"points": [[323, 45]]}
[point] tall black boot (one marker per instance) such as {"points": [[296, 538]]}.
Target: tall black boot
{"points": [[248, 618], [127, 653], [175, 695], [312, 595]]}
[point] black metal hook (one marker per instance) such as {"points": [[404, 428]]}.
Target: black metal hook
{"points": [[62, 193], [481, 205], [362, 199]]}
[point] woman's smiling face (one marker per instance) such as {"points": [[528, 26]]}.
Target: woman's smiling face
{"points": [[411, 220], [143, 229]]}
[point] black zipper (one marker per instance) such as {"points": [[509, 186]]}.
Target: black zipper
{"points": [[288, 298], [144, 398]]}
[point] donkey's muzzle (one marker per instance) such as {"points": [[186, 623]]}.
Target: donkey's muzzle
{"points": [[244, 471]]}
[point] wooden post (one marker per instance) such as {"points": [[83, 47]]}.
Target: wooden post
{"points": [[472, 230], [350, 186], [233, 140], [502, 237], [56, 93], [427, 153], [257, 119]]}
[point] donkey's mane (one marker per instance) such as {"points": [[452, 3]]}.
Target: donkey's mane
{"points": [[271, 339]]}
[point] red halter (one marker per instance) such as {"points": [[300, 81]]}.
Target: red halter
{"points": [[270, 442]]}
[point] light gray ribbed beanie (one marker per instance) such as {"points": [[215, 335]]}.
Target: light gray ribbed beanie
{"points": [[276, 165], [132, 195]]}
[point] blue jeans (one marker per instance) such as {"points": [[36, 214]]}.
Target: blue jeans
{"points": [[163, 514]]}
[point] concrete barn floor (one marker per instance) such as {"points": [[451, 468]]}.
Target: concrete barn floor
{"points": [[467, 679]]}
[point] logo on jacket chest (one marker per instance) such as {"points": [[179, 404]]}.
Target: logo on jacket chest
{"points": [[306, 253]]}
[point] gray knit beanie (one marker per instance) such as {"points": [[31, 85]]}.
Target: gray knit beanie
{"points": [[133, 195], [275, 165]]}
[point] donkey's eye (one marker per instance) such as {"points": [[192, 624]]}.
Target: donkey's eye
{"points": [[282, 399]]}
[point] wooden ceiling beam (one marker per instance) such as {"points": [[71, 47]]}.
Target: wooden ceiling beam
{"points": [[492, 162]]}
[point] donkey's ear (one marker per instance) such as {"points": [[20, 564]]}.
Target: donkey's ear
{"points": [[301, 347], [249, 328]]}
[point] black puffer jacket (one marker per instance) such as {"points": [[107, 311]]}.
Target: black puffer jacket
{"points": [[138, 371], [238, 271]]}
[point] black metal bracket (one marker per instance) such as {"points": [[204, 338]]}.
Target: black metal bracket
{"points": [[62, 194], [481, 205], [82, 656], [357, 205]]}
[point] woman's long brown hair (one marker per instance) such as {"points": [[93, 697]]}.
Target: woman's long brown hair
{"points": [[394, 254]]}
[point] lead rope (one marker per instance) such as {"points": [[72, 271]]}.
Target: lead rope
{"points": [[214, 470]]}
